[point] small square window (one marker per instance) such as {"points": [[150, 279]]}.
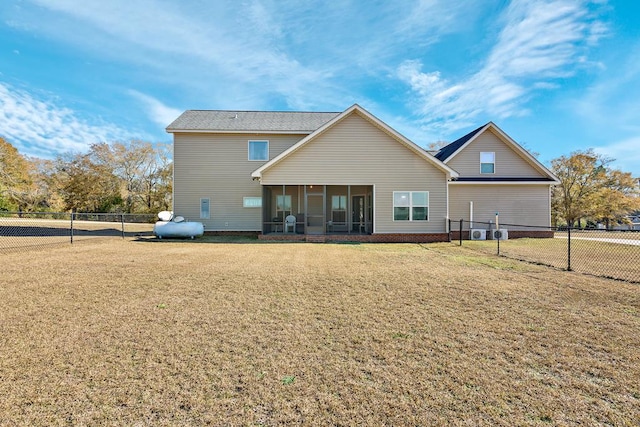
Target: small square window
{"points": [[283, 203], [339, 203], [259, 150], [487, 162]]}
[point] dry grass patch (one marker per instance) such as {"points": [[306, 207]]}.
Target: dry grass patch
{"points": [[184, 333], [606, 259], [17, 234]]}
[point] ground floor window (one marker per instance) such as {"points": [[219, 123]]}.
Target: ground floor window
{"points": [[205, 212], [283, 206], [252, 202], [410, 205], [339, 209]]}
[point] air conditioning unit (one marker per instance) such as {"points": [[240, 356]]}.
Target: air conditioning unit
{"points": [[478, 234], [500, 234]]}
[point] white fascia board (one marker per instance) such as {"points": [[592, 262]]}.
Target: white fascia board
{"points": [[531, 159]]}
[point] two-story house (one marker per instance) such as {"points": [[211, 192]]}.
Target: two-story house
{"points": [[346, 175]]}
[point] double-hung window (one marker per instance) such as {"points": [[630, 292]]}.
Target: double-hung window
{"points": [[259, 150], [410, 205], [339, 209], [487, 162], [283, 206]]}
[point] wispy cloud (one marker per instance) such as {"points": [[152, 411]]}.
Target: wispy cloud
{"points": [[625, 153], [541, 41], [258, 52], [188, 38], [38, 127], [156, 110]]}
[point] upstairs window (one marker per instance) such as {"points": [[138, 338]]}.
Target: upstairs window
{"points": [[259, 150], [411, 206], [488, 162]]}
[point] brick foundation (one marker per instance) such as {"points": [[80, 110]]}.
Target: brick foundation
{"points": [[376, 238], [363, 238], [282, 237], [232, 233], [518, 234]]}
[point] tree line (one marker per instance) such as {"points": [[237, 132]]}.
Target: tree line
{"points": [[136, 177], [590, 191], [124, 177]]}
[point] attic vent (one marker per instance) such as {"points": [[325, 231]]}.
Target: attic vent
{"points": [[235, 117]]}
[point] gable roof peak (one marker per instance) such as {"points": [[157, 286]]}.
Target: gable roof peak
{"points": [[257, 174], [448, 150]]}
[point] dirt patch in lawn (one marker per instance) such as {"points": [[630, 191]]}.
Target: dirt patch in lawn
{"points": [[184, 333]]}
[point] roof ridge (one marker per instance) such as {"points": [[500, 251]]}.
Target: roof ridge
{"points": [[266, 111], [254, 121]]}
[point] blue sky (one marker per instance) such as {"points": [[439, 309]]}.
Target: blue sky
{"points": [[556, 75]]}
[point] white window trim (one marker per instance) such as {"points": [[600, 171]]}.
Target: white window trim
{"points": [[249, 150], [493, 153], [393, 206], [252, 206]]}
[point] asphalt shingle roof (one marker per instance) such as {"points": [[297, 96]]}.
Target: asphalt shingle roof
{"points": [[250, 121], [449, 149]]}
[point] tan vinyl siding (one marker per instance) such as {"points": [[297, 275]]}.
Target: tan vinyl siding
{"points": [[356, 152], [508, 163], [517, 204], [216, 166]]}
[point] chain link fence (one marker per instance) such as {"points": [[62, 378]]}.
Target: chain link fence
{"points": [[607, 253], [22, 230], [612, 254]]}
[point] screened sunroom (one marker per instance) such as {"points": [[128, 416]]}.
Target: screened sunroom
{"points": [[317, 209]]}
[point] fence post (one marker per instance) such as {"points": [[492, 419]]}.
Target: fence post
{"points": [[569, 248], [122, 220], [460, 232], [71, 230]]}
